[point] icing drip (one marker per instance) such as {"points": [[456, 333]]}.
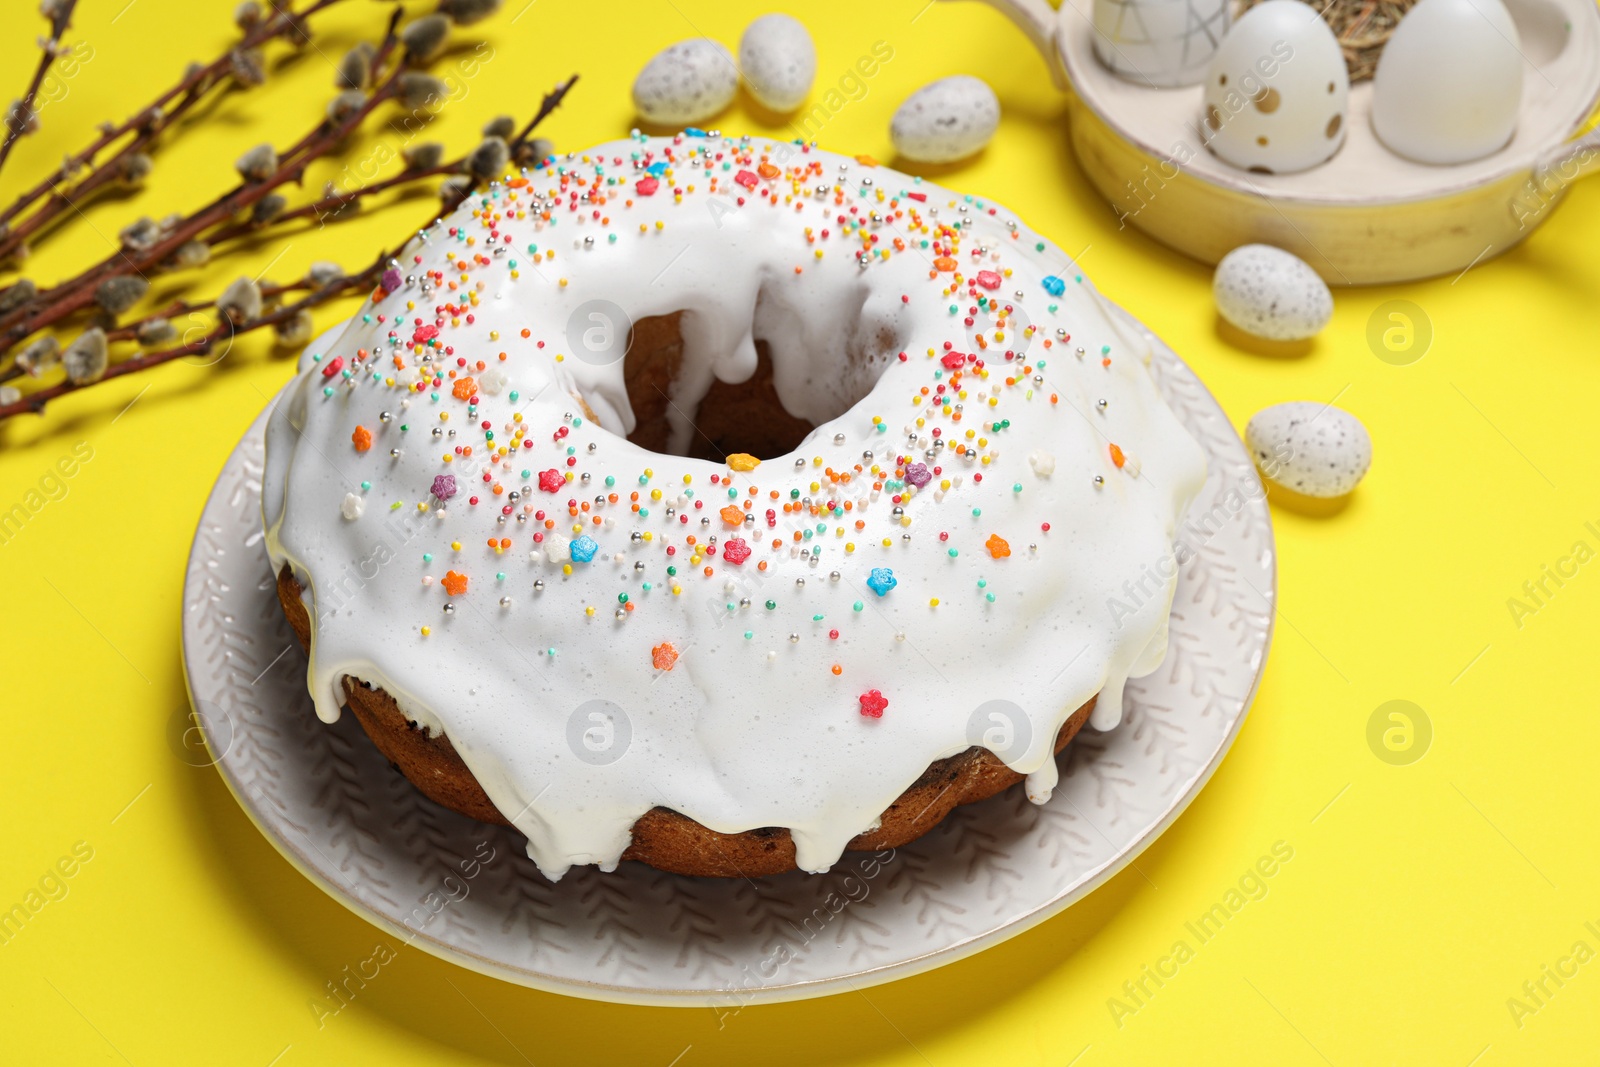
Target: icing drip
{"points": [[984, 512]]}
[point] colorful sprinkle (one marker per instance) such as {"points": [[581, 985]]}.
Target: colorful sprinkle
{"points": [[881, 580]]}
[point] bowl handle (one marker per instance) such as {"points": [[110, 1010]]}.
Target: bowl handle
{"points": [[1037, 20], [1553, 172]]}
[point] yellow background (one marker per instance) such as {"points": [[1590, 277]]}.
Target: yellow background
{"points": [[1419, 899]]}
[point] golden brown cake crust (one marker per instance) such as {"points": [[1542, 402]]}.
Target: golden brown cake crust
{"points": [[662, 837]]}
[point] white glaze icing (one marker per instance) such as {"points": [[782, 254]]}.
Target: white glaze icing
{"points": [[742, 731]]}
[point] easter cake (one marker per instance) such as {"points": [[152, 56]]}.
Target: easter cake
{"points": [[724, 504]]}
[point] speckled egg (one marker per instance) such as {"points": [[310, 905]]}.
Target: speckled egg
{"points": [[1313, 448], [1271, 293], [778, 61], [948, 120], [688, 82]]}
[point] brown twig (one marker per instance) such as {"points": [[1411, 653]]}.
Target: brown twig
{"points": [[147, 123], [224, 330], [551, 101], [60, 19], [331, 205], [129, 331]]}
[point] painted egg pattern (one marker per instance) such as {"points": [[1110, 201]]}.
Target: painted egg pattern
{"points": [[688, 82], [1277, 92]]}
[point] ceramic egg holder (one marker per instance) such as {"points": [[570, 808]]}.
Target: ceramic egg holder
{"points": [[1366, 216]]}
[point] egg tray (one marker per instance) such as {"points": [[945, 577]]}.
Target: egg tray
{"points": [[1365, 217]]}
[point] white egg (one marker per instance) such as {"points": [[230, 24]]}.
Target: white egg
{"points": [[947, 120], [1270, 293], [1313, 448], [1448, 87], [688, 82], [778, 61], [1277, 92]]}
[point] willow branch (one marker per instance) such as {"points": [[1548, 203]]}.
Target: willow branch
{"points": [[147, 123], [54, 304], [48, 50], [551, 101], [364, 279], [224, 330], [334, 203]]}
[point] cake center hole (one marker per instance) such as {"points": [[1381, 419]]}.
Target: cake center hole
{"points": [[748, 416]]}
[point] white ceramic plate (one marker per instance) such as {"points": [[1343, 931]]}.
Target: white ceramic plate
{"points": [[467, 892]]}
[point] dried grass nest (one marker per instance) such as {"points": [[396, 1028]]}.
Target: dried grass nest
{"points": [[1363, 27]]}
